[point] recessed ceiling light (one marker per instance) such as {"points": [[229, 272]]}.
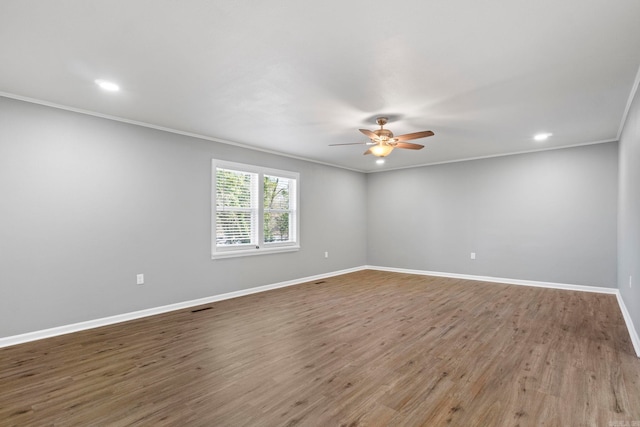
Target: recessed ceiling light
{"points": [[106, 85], [542, 136], [380, 161]]}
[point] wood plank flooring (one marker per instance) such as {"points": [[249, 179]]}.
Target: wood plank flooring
{"points": [[364, 349]]}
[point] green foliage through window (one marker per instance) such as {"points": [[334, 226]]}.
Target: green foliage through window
{"points": [[276, 209]]}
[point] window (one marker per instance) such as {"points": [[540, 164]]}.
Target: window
{"points": [[254, 210]]}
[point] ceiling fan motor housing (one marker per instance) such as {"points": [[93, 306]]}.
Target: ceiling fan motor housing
{"points": [[383, 134]]}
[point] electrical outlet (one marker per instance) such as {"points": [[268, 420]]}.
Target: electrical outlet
{"points": [[140, 279], [473, 255], [326, 254], [630, 280]]}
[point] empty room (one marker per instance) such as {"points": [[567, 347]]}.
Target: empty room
{"points": [[421, 213]]}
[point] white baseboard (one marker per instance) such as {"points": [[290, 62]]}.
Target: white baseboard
{"points": [[96, 323], [633, 334], [565, 286], [90, 324], [635, 338]]}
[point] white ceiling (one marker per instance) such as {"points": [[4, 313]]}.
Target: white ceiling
{"points": [[294, 76]]}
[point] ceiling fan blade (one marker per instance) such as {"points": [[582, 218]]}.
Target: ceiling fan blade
{"points": [[415, 135], [409, 145], [368, 151], [369, 133], [351, 143]]}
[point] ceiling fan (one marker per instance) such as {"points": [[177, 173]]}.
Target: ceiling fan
{"points": [[383, 142]]}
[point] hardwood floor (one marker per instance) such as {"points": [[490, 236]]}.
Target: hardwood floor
{"points": [[367, 348]]}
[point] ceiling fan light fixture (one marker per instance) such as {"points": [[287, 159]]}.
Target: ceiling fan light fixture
{"points": [[380, 150]]}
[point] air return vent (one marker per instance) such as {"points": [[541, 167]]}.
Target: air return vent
{"points": [[201, 309]]}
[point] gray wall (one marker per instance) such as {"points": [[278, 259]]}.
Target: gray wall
{"points": [[629, 213], [87, 203], [547, 216]]}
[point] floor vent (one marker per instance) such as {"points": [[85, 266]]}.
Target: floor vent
{"points": [[322, 281], [201, 309]]}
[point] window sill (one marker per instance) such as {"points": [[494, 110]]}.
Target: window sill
{"points": [[251, 252]]}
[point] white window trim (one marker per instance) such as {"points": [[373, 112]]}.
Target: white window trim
{"points": [[262, 248]]}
